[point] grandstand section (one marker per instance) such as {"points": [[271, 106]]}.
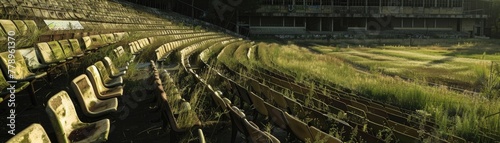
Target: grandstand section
{"points": [[115, 71]]}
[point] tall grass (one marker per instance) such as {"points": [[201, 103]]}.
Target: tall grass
{"points": [[456, 113]]}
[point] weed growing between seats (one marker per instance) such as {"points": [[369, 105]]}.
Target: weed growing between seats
{"points": [[456, 113]]}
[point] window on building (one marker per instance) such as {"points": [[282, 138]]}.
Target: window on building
{"points": [[456, 3], [357, 3], [340, 2], [373, 3], [442, 3], [299, 2], [267, 2], [418, 3], [316, 2], [327, 2], [429, 3], [393, 3]]}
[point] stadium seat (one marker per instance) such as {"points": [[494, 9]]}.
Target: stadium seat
{"points": [[33, 133], [112, 69], [276, 116], [321, 136], [105, 76], [68, 51], [67, 125], [102, 92], [258, 104], [75, 45], [299, 128], [90, 104], [20, 86], [93, 42], [184, 121], [237, 125], [256, 135], [21, 73], [31, 58]]}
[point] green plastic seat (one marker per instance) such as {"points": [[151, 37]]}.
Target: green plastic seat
{"points": [[33, 133], [75, 45], [299, 128], [93, 42], [32, 27], [57, 51], [67, 125], [21, 72], [66, 46], [106, 77], [90, 104], [321, 136], [112, 69], [4, 92], [102, 92], [46, 53]]}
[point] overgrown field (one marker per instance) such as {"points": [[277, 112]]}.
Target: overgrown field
{"points": [[435, 80]]}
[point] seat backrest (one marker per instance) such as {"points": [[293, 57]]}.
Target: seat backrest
{"points": [[237, 117], [3, 82], [8, 25], [21, 71], [93, 42], [84, 90], [276, 116], [105, 75], [57, 50], [258, 103], [66, 46], [299, 128], [30, 57], [95, 78], [321, 136], [108, 38], [32, 27], [75, 45], [110, 66], [23, 29], [46, 53], [33, 133], [62, 114], [256, 135]]}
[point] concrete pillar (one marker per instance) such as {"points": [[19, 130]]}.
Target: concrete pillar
{"points": [[402, 22], [293, 21], [320, 24], [332, 23], [260, 21], [413, 23], [283, 22], [380, 6]]}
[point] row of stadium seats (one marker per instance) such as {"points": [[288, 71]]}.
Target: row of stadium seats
{"points": [[175, 112], [94, 98], [97, 11]]}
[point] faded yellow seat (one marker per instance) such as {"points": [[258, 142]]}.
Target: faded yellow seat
{"points": [[106, 77], [67, 125], [90, 104], [321, 136], [112, 69], [93, 42], [20, 86], [299, 128], [75, 46], [102, 92], [33, 133]]}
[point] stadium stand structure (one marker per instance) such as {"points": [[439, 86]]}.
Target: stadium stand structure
{"points": [[99, 44]]}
